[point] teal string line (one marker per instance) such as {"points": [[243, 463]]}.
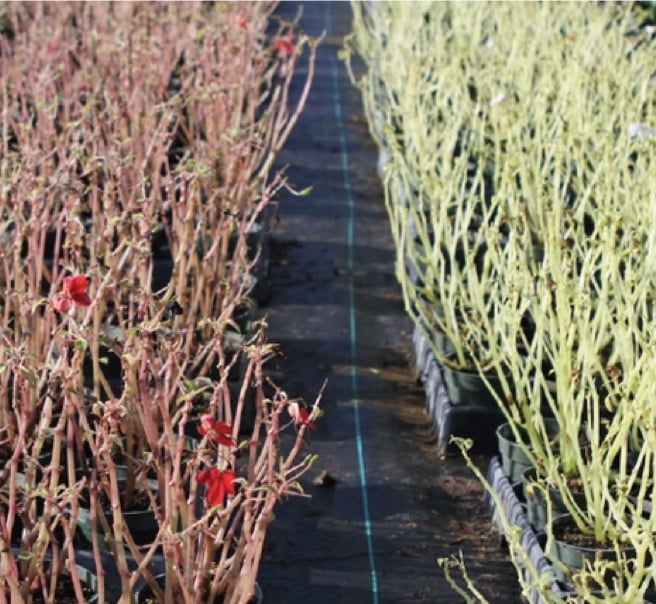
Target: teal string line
{"points": [[352, 318]]}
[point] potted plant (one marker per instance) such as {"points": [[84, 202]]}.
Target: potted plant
{"points": [[489, 173], [116, 318]]}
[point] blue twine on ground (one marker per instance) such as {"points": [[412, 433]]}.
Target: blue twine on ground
{"points": [[352, 319]]}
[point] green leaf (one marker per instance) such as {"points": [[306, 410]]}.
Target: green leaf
{"points": [[29, 375], [38, 302]]}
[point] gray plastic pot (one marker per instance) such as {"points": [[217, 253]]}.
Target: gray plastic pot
{"points": [[536, 503], [468, 387], [514, 460], [573, 557]]}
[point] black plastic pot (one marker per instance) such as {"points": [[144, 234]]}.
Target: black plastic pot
{"points": [[467, 387], [514, 460], [573, 557], [89, 578], [142, 524], [536, 502]]}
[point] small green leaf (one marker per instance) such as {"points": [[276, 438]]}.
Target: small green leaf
{"points": [[38, 302], [29, 375]]}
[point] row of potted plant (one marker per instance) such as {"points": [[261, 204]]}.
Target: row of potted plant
{"points": [[517, 143], [140, 436]]}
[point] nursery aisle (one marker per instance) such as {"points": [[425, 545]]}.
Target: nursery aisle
{"points": [[383, 507]]}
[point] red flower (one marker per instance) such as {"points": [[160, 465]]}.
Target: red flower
{"points": [[76, 288], [240, 20], [300, 415], [217, 431], [285, 45], [219, 484], [61, 303]]}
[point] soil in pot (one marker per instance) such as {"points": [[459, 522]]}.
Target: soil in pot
{"points": [[573, 548], [137, 515]]}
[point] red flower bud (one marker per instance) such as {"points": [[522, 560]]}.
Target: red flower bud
{"points": [[61, 303], [300, 415], [285, 45]]}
